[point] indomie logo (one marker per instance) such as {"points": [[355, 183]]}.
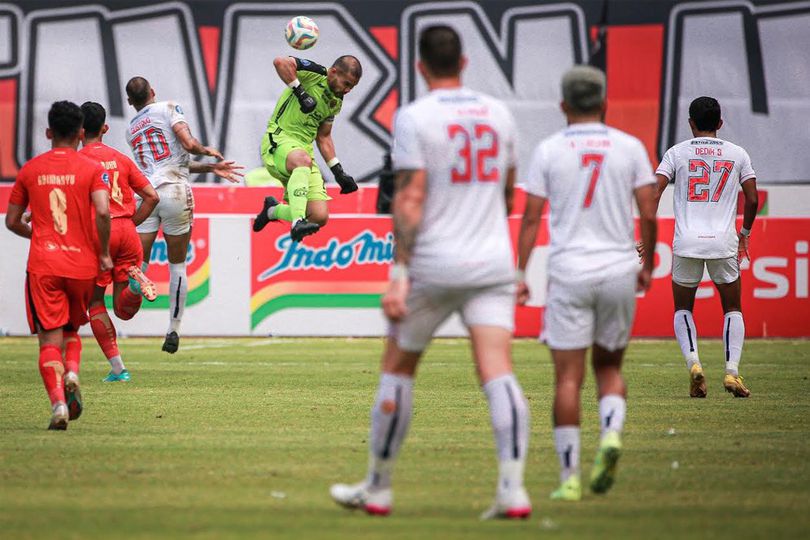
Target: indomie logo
{"points": [[364, 248], [160, 252]]}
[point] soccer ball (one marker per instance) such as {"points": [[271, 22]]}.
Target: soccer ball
{"points": [[301, 32]]}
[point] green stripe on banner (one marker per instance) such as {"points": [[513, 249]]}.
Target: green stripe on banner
{"points": [[162, 301], [314, 301]]}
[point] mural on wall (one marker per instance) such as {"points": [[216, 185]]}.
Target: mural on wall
{"points": [[215, 58]]}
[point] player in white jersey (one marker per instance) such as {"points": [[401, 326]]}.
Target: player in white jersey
{"points": [[161, 142], [454, 157], [708, 173], [589, 173]]}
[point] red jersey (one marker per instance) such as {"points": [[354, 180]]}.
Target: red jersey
{"points": [[56, 186], [125, 177]]}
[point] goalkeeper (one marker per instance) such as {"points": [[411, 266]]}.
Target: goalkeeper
{"points": [[305, 113]]}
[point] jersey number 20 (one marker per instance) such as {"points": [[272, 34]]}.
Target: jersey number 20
{"points": [[479, 146]]}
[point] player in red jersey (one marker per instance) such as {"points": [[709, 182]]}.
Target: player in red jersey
{"points": [[130, 285], [62, 189]]}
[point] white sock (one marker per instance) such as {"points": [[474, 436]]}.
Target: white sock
{"points": [[612, 410], [566, 441], [390, 419], [733, 338], [116, 364], [178, 289], [510, 424], [686, 334]]}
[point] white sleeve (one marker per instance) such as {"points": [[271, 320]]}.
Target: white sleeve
{"points": [[406, 152], [511, 141], [667, 166], [537, 179], [175, 114], [746, 170], [642, 173]]}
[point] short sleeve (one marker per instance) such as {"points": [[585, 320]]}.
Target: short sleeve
{"points": [[746, 170], [537, 179], [511, 140], [308, 72], [175, 114], [667, 166], [642, 173], [19, 193], [406, 151], [101, 179]]}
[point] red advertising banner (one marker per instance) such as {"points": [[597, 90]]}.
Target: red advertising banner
{"points": [[346, 264]]}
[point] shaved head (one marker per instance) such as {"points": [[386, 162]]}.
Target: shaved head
{"points": [[139, 92], [349, 64]]}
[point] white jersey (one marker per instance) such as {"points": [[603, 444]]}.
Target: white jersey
{"points": [[156, 148], [708, 173], [588, 172], [465, 142]]}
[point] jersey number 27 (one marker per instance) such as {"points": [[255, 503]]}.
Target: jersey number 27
{"points": [[699, 184]]}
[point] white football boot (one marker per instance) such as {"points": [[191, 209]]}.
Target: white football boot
{"points": [[374, 501], [59, 418], [511, 504]]}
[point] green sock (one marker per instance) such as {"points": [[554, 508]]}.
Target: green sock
{"points": [[283, 212], [297, 189]]}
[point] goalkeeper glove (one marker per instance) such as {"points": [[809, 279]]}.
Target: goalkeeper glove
{"points": [[346, 182], [306, 101]]}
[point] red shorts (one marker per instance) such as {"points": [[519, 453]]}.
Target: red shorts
{"points": [[52, 302], [125, 250]]}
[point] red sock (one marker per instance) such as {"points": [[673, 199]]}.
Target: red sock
{"points": [[52, 371], [127, 304], [73, 352], [104, 330]]}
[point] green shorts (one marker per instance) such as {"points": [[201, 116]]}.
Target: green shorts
{"points": [[275, 148]]}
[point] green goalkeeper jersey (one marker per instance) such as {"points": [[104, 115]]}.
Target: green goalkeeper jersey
{"points": [[287, 115]]}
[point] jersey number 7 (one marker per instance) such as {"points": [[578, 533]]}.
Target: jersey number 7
{"points": [[474, 165], [594, 163]]}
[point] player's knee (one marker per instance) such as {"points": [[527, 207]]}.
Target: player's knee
{"points": [[123, 314], [298, 159]]}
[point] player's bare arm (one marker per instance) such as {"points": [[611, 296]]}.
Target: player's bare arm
{"points": [[150, 199], [326, 146], [229, 170], [101, 203], [526, 240], [14, 221], [407, 209], [287, 69], [661, 183], [645, 200], [749, 188], [509, 190], [191, 144]]}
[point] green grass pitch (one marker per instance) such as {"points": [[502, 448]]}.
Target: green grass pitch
{"points": [[237, 438]]}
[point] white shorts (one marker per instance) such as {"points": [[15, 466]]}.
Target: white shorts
{"points": [[430, 305], [579, 315], [688, 272], [175, 211]]}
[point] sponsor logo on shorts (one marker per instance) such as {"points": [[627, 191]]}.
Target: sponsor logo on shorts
{"points": [[301, 192]]}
